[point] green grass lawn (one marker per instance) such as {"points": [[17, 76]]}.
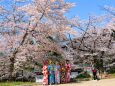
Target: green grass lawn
{"points": [[112, 75], [16, 83]]}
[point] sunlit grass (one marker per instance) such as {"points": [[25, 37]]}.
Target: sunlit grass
{"points": [[16, 83], [112, 75]]}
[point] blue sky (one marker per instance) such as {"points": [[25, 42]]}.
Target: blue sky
{"points": [[84, 8]]}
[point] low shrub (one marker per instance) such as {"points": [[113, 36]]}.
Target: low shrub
{"points": [[83, 75], [112, 70]]}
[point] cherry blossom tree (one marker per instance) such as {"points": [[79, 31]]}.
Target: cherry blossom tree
{"points": [[95, 43], [27, 29]]}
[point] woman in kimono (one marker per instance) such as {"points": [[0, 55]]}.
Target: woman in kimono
{"points": [[45, 73], [63, 73], [68, 71], [57, 73], [51, 73]]}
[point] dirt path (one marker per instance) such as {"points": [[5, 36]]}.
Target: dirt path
{"points": [[105, 82]]}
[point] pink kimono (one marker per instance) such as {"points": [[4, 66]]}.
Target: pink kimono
{"points": [[45, 75], [68, 72]]}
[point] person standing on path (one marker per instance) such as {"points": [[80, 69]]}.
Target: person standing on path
{"points": [[51, 72], [94, 71], [68, 71], [45, 73], [57, 73], [63, 73]]}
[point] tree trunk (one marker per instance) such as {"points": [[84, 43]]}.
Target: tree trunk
{"points": [[13, 57]]}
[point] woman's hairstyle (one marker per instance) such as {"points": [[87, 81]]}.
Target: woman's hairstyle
{"points": [[67, 60], [45, 62]]}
